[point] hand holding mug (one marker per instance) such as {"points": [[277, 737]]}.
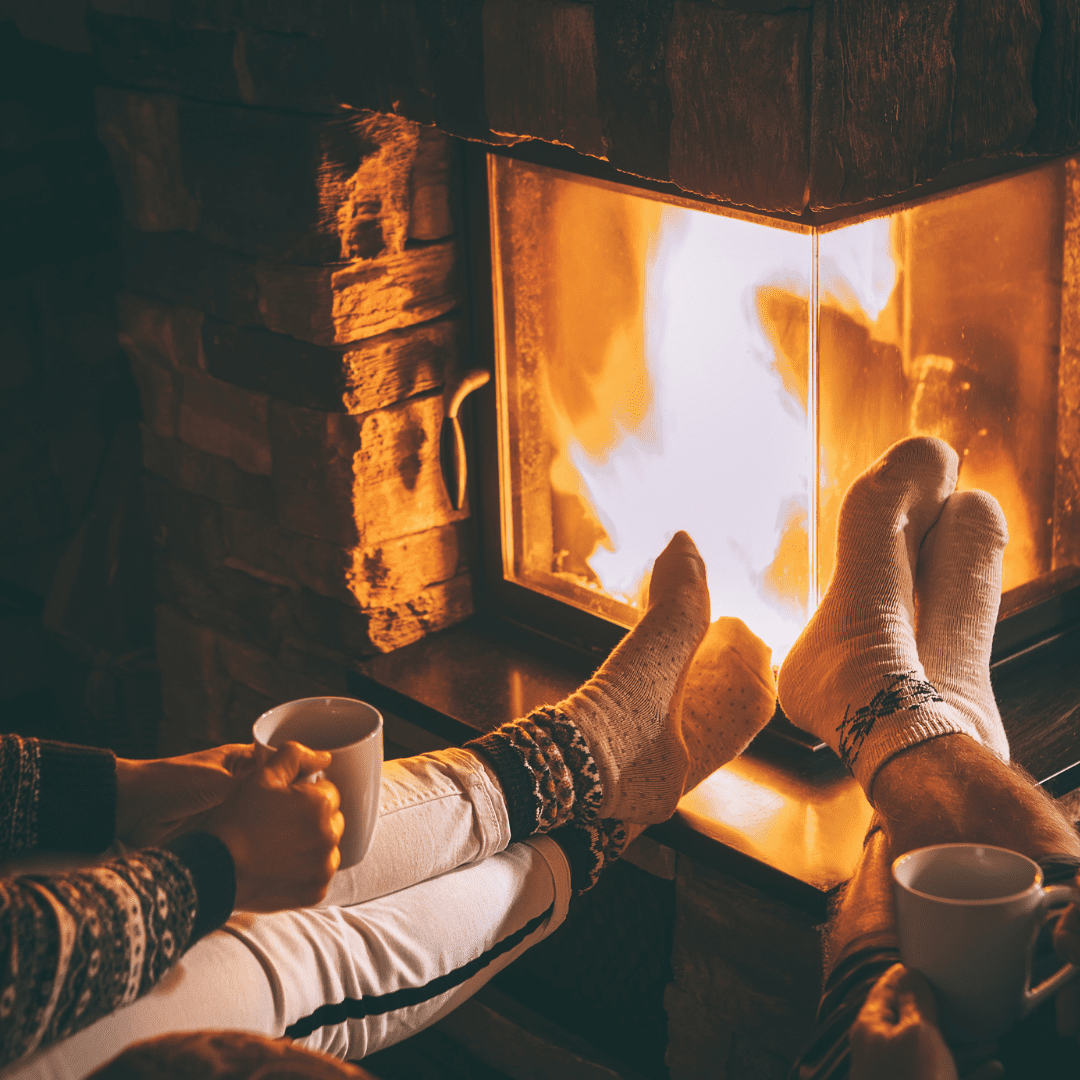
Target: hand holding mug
{"points": [[159, 799], [282, 831], [967, 917]]}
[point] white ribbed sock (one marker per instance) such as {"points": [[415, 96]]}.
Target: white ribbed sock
{"points": [[957, 595], [629, 710], [854, 677]]}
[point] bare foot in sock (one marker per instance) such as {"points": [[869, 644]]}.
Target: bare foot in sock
{"points": [[730, 696], [613, 749], [957, 595], [854, 677], [629, 710]]}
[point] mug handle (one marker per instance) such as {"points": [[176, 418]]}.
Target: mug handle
{"points": [[1056, 895]]}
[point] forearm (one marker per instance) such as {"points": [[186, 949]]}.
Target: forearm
{"points": [[75, 946]]}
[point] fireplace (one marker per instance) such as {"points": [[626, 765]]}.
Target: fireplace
{"points": [[664, 362], [295, 314]]}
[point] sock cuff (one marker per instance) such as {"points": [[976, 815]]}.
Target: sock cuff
{"points": [[929, 722], [546, 771], [589, 847], [520, 786]]}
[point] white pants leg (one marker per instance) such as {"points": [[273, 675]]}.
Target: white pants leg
{"points": [[434, 911]]}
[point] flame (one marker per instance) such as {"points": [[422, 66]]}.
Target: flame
{"points": [[722, 449], [660, 377]]}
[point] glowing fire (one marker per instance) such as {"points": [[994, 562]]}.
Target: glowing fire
{"points": [[722, 451], [660, 375]]}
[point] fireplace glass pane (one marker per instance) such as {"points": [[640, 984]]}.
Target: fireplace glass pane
{"points": [[665, 365], [952, 330]]}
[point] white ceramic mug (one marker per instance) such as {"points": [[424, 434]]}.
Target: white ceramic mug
{"points": [[967, 916], [353, 732]]}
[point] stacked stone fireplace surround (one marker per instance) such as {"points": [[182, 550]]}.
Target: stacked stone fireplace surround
{"points": [[293, 299], [291, 310], [293, 303]]}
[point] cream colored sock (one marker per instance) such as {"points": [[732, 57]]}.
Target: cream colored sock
{"points": [[729, 697], [854, 677], [957, 595], [628, 711]]}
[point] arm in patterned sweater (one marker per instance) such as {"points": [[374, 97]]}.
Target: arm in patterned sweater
{"points": [[75, 946]]}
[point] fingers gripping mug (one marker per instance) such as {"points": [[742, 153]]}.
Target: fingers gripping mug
{"points": [[353, 732], [967, 916]]}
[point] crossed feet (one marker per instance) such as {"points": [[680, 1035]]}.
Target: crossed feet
{"points": [[897, 653]]}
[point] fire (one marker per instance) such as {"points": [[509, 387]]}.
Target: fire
{"points": [[666, 367], [722, 450]]}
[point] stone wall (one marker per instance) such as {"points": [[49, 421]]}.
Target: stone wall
{"points": [[775, 104], [76, 617], [291, 306]]}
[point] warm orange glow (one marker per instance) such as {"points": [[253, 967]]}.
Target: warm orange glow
{"points": [[665, 367]]}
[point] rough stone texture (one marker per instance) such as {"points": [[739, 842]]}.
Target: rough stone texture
{"points": [[739, 102], [540, 72], [187, 270], [431, 182], [993, 108], [194, 683], [368, 375], [262, 547], [295, 188], [209, 475], [399, 567], [401, 363], [140, 132], [883, 83], [1067, 467], [1055, 82], [313, 456], [899, 91], [226, 420], [335, 306], [169, 334], [164, 55], [283, 71], [185, 525], [632, 93], [747, 971], [407, 620]]}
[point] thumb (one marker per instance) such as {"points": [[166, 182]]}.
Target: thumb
{"points": [[292, 761]]}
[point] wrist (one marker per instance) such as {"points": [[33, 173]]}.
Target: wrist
{"points": [[130, 783]]}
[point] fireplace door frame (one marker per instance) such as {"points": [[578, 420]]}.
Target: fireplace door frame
{"points": [[1030, 614]]}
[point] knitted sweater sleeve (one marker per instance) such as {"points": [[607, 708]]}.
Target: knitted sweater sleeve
{"points": [[76, 945]]}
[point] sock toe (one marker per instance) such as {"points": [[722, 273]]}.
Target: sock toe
{"points": [[903, 490]]}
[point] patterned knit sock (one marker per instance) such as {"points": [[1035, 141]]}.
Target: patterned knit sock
{"points": [[591, 846], [730, 696], [613, 749], [854, 678], [957, 595]]}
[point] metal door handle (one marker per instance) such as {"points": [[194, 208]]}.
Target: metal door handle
{"points": [[452, 443]]}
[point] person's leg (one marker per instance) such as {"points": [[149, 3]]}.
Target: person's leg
{"points": [[893, 671], [342, 980], [619, 742]]}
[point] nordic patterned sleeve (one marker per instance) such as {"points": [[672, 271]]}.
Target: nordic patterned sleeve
{"points": [[76, 946], [55, 796]]}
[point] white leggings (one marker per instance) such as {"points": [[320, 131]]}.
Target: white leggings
{"points": [[439, 905]]}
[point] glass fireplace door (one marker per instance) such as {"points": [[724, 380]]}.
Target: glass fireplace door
{"points": [[664, 364]]}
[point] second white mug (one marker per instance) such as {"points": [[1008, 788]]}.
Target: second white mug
{"points": [[967, 917]]}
